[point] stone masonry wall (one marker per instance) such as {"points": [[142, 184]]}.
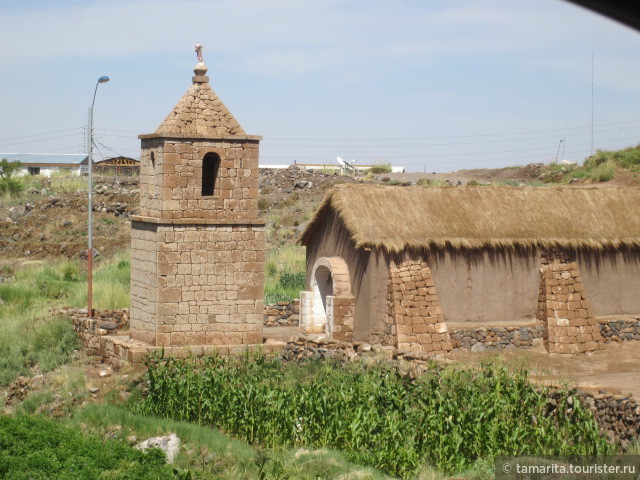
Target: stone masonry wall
{"points": [[144, 283], [496, 338], [340, 318], [414, 314], [210, 284], [564, 308], [282, 314], [171, 184]]}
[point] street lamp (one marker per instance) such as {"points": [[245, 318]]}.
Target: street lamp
{"points": [[103, 79]]}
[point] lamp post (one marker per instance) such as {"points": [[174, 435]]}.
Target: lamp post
{"points": [[102, 79]]}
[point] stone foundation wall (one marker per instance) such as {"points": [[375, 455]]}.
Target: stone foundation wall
{"points": [[620, 330], [509, 338], [282, 314], [105, 337], [496, 338], [415, 318]]}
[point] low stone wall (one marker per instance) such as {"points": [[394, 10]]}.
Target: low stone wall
{"points": [[620, 330], [307, 348], [509, 338], [282, 314], [496, 338], [103, 337], [618, 416]]}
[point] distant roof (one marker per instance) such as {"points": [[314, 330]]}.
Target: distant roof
{"points": [[118, 161], [397, 218], [46, 158], [200, 112]]}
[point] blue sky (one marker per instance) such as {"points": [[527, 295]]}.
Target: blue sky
{"points": [[432, 85]]}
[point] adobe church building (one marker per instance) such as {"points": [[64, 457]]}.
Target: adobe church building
{"points": [[197, 245], [397, 265]]}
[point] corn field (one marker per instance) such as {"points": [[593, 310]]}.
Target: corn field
{"points": [[448, 417]]}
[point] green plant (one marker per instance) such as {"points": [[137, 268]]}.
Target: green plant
{"points": [[604, 171], [39, 448], [263, 204], [475, 183], [380, 169], [393, 182], [448, 418], [7, 168], [284, 274], [426, 182], [29, 335], [290, 280]]}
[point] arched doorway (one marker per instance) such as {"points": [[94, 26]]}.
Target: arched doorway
{"points": [[329, 280]]}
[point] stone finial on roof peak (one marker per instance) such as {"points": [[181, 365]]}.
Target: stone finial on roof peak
{"points": [[200, 69]]}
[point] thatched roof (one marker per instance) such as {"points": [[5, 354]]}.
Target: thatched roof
{"points": [[399, 218]]}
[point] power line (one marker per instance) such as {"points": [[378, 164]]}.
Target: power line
{"points": [[39, 140], [40, 134]]}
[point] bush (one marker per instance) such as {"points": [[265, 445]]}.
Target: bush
{"points": [[10, 186], [263, 204], [449, 417], [293, 280], [426, 182], [39, 448], [604, 172], [380, 169]]}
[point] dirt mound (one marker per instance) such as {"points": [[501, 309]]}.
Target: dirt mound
{"points": [[55, 225]]}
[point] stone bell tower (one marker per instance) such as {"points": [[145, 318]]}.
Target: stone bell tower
{"points": [[197, 246]]}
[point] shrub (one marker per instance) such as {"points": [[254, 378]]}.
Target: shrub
{"points": [[380, 169], [10, 186], [263, 204], [604, 172], [393, 182], [36, 447], [292, 280], [426, 182]]}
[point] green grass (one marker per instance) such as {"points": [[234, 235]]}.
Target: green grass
{"points": [[600, 167], [29, 335], [67, 182], [448, 419], [33, 447], [207, 453], [284, 273], [110, 285], [17, 189]]}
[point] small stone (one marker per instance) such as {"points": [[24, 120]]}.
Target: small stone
{"points": [[94, 390], [104, 373], [478, 347]]}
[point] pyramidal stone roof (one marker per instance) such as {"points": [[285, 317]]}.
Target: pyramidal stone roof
{"points": [[200, 112]]}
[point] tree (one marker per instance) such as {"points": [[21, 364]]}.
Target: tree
{"points": [[8, 168]]}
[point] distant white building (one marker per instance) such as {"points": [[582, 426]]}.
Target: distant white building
{"points": [[332, 166], [47, 163]]}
